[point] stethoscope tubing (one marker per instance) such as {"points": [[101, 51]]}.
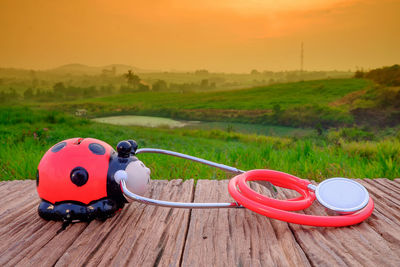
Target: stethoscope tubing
{"points": [[279, 211], [279, 179], [188, 157], [171, 204]]}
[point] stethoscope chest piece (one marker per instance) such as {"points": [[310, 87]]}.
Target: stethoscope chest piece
{"points": [[341, 195]]}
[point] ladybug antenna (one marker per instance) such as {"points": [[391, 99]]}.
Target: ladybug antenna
{"points": [[124, 149], [134, 146]]}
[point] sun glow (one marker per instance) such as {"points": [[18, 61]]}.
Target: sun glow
{"points": [[224, 35]]}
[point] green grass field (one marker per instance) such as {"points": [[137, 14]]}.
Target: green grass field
{"points": [[245, 128], [319, 92], [26, 134]]}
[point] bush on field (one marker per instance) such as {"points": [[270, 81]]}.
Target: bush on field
{"points": [[349, 134], [313, 115], [387, 149], [389, 97], [275, 142], [389, 76], [18, 115]]}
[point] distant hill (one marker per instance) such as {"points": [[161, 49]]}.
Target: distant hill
{"points": [[79, 69]]}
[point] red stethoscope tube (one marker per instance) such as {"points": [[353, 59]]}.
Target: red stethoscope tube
{"points": [[279, 209]]}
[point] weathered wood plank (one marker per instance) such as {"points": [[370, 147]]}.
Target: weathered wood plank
{"points": [[395, 181], [25, 233], [372, 242], [140, 235], [54, 248], [158, 233], [147, 235], [23, 198], [13, 192], [237, 237], [389, 200], [392, 187]]}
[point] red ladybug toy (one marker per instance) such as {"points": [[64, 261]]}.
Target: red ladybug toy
{"points": [[76, 179]]}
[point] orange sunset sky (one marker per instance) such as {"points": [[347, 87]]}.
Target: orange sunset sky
{"points": [[219, 35]]}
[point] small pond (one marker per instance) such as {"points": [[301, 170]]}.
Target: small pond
{"points": [[145, 121]]}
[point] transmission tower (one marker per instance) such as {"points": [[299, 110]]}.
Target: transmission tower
{"points": [[302, 58]]}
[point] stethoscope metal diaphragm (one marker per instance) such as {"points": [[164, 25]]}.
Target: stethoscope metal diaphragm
{"points": [[342, 195]]}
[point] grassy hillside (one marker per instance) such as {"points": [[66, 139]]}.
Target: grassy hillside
{"points": [[26, 134], [259, 98]]}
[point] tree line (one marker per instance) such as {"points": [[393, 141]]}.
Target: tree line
{"points": [[61, 91]]}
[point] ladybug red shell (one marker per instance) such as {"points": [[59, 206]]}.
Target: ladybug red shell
{"points": [[78, 161], [75, 179]]}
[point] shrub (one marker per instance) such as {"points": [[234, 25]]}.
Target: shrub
{"points": [[350, 134], [389, 76], [313, 115]]}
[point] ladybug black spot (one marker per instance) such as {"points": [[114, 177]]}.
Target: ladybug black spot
{"points": [[97, 149], [58, 147], [79, 176]]}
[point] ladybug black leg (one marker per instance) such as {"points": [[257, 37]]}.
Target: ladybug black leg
{"points": [[102, 209], [69, 212], [46, 211]]}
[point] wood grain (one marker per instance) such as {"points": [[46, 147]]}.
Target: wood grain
{"points": [[374, 241], [237, 237], [140, 235], [144, 235]]}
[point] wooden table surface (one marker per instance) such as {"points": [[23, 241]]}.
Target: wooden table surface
{"points": [[142, 235]]}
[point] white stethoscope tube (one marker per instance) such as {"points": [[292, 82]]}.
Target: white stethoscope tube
{"points": [[184, 156], [187, 205]]}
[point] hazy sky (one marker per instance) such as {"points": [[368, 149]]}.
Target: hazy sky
{"points": [[219, 35]]}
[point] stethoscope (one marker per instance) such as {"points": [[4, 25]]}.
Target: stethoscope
{"points": [[346, 198]]}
